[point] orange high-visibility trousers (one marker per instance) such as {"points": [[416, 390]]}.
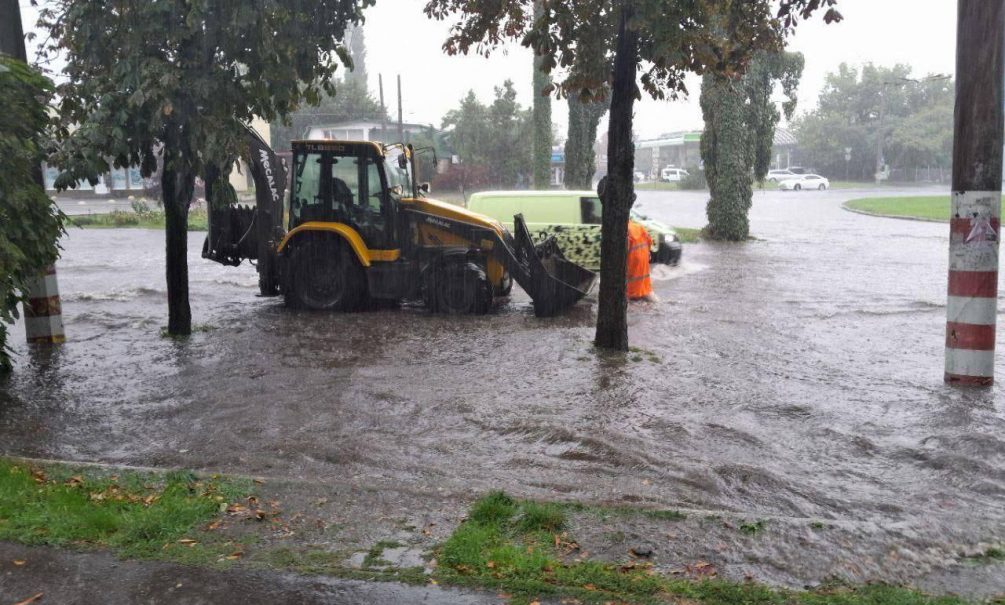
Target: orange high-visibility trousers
{"points": [[639, 242]]}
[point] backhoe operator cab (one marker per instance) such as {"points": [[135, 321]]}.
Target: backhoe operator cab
{"points": [[359, 230], [356, 228]]}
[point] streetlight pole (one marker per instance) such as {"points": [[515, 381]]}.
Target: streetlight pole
{"points": [[880, 134], [976, 203]]}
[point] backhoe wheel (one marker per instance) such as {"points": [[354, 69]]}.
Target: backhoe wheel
{"points": [[326, 277], [458, 287]]}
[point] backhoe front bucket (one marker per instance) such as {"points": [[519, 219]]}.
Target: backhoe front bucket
{"points": [[552, 281]]}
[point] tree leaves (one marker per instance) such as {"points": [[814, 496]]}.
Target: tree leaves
{"points": [[675, 38], [30, 224]]}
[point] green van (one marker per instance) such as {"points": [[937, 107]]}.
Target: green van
{"points": [[573, 217]]}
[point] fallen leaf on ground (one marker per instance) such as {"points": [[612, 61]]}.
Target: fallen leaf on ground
{"points": [[703, 569], [535, 602], [259, 481], [187, 542], [19, 562], [75, 481], [30, 599], [213, 525], [235, 555], [490, 564]]}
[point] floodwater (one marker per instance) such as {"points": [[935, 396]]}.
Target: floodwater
{"points": [[799, 375]]}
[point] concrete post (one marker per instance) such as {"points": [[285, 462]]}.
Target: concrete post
{"points": [[43, 316], [975, 218]]}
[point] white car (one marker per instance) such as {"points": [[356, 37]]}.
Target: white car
{"points": [[804, 181], [775, 176], [673, 175]]}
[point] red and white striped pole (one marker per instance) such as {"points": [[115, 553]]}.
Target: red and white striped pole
{"points": [[43, 314], [975, 219]]}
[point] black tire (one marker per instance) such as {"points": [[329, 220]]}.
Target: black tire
{"points": [[822, 187], [325, 276], [797, 187], [458, 287]]}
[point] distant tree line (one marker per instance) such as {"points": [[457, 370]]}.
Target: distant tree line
{"points": [[908, 120]]}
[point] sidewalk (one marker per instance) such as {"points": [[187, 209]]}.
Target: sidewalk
{"points": [[72, 578]]}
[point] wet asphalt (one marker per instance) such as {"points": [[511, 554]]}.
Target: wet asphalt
{"points": [[797, 376]]}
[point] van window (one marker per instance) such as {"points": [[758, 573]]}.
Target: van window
{"points": [[591, 210]]}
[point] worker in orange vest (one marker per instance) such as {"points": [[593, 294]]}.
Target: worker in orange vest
{"points": [[640, 286]]}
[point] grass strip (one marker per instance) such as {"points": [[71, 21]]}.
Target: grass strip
{"points": [[686, 235], [921, 207], [198, 220], [134, 514], [520, 547]]}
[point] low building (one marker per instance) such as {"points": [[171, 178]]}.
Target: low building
{"points": [[366, 130], [683, 150]]}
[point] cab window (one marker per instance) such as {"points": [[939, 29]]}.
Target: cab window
{"points": [[590, 210]]}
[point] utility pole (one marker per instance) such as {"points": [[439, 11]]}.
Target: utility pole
{"points": [[401, 124], [43, 320], [11, 33], [879, 134], [383, 110], [976, 203]]}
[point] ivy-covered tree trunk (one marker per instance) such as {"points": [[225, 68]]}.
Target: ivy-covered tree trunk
{"points": [[580, 163], [618, 195], [542, 117], [177, 184], [727, 153]]}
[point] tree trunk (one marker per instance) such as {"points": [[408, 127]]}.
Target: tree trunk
{"points": [[726, 151], [177, 183], [619, 194], [580, 163], [542, 119]]}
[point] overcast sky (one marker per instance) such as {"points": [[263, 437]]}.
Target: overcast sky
{"points": [[401, 40]]}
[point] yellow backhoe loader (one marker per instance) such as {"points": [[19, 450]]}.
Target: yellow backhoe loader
{"points": [[357, 228]]}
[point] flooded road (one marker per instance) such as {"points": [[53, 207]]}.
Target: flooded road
{"points": [[798, 376]]}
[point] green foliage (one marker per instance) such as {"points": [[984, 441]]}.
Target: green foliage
{"points": [[740, 121], [493, 142], [857, 106], [30, 223], [675, 39], [728, 153], [198, 69], [137, 514]]}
